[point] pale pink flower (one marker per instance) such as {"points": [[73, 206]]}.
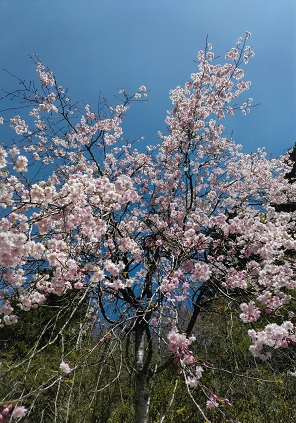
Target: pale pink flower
{"points": [[65, 368], [212, 403], [192, 382], [3, 155], [19, 411], [198, 372], [21, 164]]}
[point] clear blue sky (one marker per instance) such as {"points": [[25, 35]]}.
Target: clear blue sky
{"points": [[98, 46]]}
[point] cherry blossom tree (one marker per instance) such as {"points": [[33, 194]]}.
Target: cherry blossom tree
{"points": [[151, 237]]}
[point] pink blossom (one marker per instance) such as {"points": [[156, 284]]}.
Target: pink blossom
{"points": [[212, 402], [18, 412], [251, 313], [192, 382], [65, 368]]}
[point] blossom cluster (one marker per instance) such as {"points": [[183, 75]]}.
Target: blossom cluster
{"points": [[179, 344], [274, 336]]}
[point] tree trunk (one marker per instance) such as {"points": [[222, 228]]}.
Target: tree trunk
{"points": [[142, 395]]}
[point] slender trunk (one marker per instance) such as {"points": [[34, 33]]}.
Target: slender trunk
{"points": [[142, 395]]}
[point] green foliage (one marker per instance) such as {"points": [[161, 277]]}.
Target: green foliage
{"points": [[100, 388]]}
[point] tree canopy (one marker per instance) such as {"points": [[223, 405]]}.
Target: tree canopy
{"points": [[146, 239]]}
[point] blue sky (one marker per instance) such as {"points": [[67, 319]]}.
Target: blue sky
{"points": [[98, 46]]}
